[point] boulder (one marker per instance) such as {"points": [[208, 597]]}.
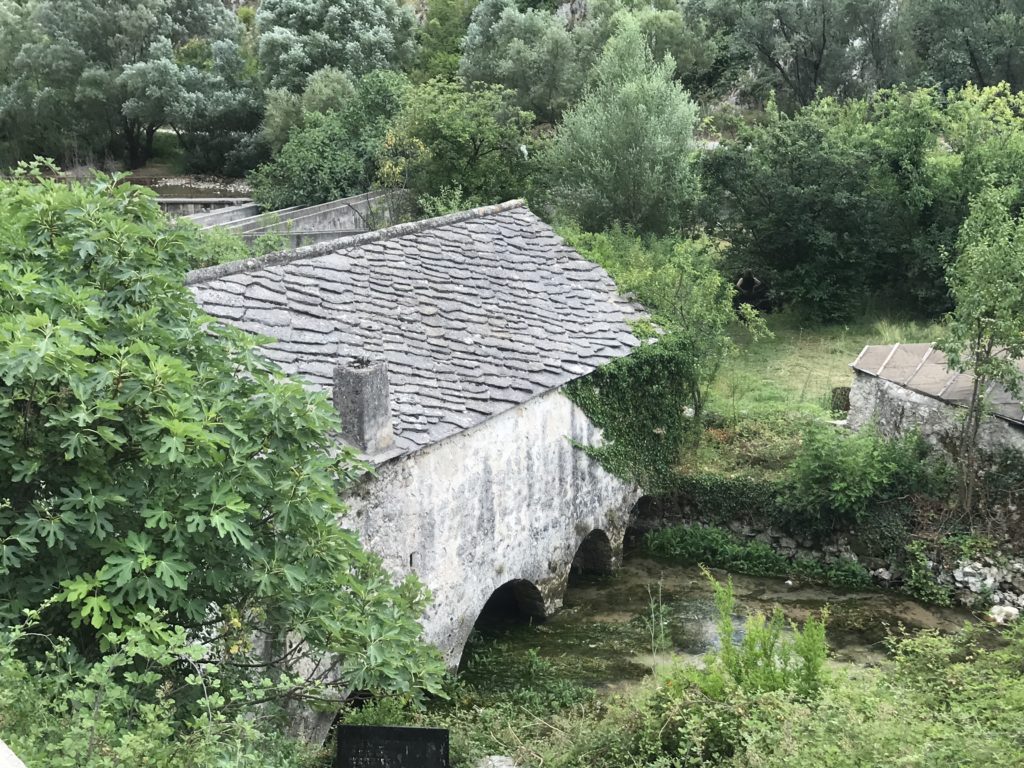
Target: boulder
{"points": [[1003, 614]]}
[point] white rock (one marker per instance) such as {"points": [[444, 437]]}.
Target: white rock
{"points": [[1003, 614]]}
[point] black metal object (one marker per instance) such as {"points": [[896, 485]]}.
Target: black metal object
{"points": [[378, 746]]}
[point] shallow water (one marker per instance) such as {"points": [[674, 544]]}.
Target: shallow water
{"points": [[600, 637]]}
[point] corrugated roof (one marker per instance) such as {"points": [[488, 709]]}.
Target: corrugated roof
{"points": [[474, 313], [923, 369]]}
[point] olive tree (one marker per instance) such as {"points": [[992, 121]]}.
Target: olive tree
{"points": [[624, 152], [299, 37]]}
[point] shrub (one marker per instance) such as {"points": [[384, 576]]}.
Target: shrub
{"points": [[449, 134], [920, 581], [703, 710], [839, 479], [125, 710], [698, 545], [326, 155]]}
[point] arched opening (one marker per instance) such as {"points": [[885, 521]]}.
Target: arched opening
{"points": [[514, 602], [593, 557]]}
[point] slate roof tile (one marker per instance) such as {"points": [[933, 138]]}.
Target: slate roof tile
{"points": [[475, 313]]}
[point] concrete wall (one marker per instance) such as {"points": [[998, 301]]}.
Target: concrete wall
{"points": [[226, 215], [349, 213], [511, 499], [187, 206], [897, 410]]}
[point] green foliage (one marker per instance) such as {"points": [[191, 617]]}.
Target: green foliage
{"points": [[801, 49], [317, 164], [449, 134], [839, 480], [441, 38], [947, 700], [548, 59], [154, 464], [299, 37], [84, 79], [957, 41], [718, 548], [703, 710], [125, 709], [826, 204], [530, 52], [985, 332], [723, 498], [919, 581], [623, 153], [332, 154], [640, 402]]}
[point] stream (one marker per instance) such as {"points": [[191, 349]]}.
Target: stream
{"points": [[601, 637]]}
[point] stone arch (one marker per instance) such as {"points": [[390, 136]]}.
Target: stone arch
{"points": [[594, 556], [518, 597]]}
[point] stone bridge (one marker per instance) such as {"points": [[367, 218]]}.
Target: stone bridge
{"points": [[445, 346], [510, 504]]}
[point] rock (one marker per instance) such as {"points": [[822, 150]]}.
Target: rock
{"points": [[1003, 614], [787, 543], [496, 761], [884, 575]]}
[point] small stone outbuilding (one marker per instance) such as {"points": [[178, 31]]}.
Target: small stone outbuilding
{"points": [[445, 345], [906, 386]]}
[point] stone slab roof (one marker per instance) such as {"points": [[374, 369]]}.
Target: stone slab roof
{"points": [[474, 313], [923, 369]]}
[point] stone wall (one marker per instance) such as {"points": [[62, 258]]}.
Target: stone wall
{"points": [[510, 499], [974, 582], [897, 410]]}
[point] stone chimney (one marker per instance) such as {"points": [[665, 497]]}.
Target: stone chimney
{"points": [[361, 397]]}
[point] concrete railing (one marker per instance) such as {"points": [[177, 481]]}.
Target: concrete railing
{"points": [[349, 213], [223, 216], [187, 206]]}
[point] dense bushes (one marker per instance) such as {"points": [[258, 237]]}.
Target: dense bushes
{"points": [[840, 479], [331, 145], [847, 203], [649, 403], [696, 545]]}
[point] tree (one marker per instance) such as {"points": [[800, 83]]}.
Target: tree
{"points": [[838, 203], [624, 152], [475, 138], [547, 59], [299, 37], [441, 37], [530, 52], [967, 41], [985, 331], [333, 154], [113, 73], [806, 46], [156, 470]]}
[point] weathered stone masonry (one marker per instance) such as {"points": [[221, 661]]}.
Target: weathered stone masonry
{"points": [[510, 499]]}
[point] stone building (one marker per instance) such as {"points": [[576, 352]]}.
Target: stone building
{"points": [[906, 386], [445, 345]]}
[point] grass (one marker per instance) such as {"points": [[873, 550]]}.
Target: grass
{"points": [[796, 369], [767, 394]]}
